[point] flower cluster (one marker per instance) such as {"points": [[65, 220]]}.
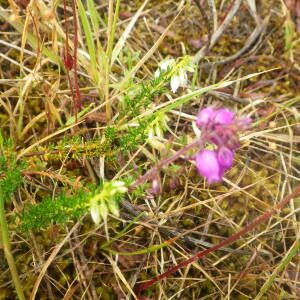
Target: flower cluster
{"points": [[219, 127], [156, 129], [107, 200], [179, 71]]}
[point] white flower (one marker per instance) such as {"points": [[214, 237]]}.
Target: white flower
{"points": [[119, 186], [118, 183], [180, 77], [106, 201], [163, 66], [178, 71], [113, 207], [178, 80], [103, 210], [95, 212], [175, 83], [157, 72]]}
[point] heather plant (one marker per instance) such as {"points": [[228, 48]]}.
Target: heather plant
{"points": [[61, 210], [218, 127]]}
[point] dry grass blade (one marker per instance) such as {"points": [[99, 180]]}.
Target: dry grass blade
{"points": [[119, 273], [121, 42], [148, 54], [218, 33], [49, 261]]}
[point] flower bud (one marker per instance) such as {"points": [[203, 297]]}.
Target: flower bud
{"points": [[223, 117], [155, 187], [225, 157], [208, 165], [205, 116]]}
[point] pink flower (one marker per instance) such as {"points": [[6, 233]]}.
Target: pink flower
{"points": [[221, 129], [223, 117], [208, 165], [209, 116], [225, 157], [205, 116]]}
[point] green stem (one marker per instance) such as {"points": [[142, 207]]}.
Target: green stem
{"points": [[7, 250], [111, 29], [286, 260], [122, 232], [144, 251]]}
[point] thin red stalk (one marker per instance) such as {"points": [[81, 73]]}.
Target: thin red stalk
{"points": [[72, 92], [66, 54], [78, 104], [227, 241], [165, 162], [71, 62], [66, 30]]}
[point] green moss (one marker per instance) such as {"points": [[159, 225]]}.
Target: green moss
{"points": [[188, 223]]}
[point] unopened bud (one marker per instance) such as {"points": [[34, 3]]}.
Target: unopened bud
{"points": [[155, 187]]}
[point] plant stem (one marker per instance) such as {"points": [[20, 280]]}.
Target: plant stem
{"points": [[286, 260], [111, 29], [167, 161], [227, 241], [7, 250], [76, 84]]}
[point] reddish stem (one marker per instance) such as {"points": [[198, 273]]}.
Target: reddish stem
{"points": [[71, 62], [227, 241], [67, 58], [78, 95], [166, 162]]}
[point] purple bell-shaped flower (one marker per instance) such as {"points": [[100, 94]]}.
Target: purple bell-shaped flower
{"points": [[208, 165], [205, 116], [221, 129], [225, 157]]}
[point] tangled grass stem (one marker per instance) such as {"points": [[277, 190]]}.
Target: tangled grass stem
{"points": [[227, 241]]}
